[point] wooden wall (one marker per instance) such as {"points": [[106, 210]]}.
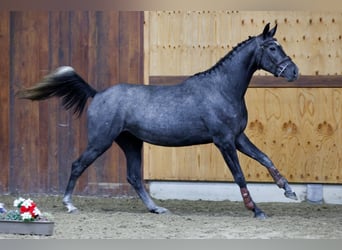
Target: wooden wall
{"points": [[298, 126], [197, 39], [39, 141]]}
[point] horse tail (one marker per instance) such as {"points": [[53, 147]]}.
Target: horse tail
{"points": [[65, 83]]}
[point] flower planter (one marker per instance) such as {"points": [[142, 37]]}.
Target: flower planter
{"points": [[32, 227]]}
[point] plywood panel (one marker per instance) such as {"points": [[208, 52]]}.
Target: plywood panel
{"points": [[300, 129], [184, 43], [292, 126], [297, 127]]}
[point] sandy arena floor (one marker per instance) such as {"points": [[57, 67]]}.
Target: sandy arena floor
{"points": [[127, 218]]}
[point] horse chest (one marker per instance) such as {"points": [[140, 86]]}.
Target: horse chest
{"points": [[232, 116]]}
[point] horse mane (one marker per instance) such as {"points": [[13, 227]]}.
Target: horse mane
{"points": [[227, 57]]}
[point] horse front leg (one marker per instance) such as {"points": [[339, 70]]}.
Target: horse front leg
{"points": [[244, 145], [230, 156]]}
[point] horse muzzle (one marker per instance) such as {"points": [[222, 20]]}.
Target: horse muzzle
{"points": [[288, 70]]}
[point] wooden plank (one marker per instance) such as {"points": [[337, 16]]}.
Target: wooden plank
{"points": [[4, 100], [25, 38], [94, 32], [108, 75], [146, 44], [268, 81], [131, 63], [103, 73], [40, 140], [114, 57], [79, 59], [52, 174], [42, 54], [131, 48], [59, 157]]}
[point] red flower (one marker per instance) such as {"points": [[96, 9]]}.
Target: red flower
{"points": [[28, 209]]}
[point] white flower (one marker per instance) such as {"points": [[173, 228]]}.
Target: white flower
{"points": [[27, 203], [18, 201], [26, 216], [36, 212]]}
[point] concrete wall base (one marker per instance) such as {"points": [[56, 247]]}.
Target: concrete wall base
{"points": [[314, 193]]}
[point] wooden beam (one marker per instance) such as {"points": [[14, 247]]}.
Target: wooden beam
{"points": [[268, 81]]}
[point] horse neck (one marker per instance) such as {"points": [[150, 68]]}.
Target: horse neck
{"points": [[238, 68]]}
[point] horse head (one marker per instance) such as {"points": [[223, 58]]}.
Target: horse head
{"points": [[272, 58]]}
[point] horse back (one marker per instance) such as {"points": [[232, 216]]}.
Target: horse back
{"points": [[162, 115]]}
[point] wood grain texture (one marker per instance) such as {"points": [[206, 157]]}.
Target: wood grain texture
{"points": [[297, 124], [187, 42], [298, 128], [267, 81], [26, 137], [41, 139], [4, 101]]}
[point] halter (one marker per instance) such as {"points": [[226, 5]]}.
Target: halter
{"points": [[280, 66]]}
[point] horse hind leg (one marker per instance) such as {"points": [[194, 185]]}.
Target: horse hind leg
{"points": [[78, 167], [132, 148]]}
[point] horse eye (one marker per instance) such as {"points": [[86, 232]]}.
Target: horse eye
{"points": [[272, 48]]}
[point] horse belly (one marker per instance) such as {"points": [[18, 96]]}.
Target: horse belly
{"points": [[175, 141], [172, 134]]}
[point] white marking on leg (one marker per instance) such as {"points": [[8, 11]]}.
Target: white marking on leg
{"points": [[71, 208], [68, 203]]}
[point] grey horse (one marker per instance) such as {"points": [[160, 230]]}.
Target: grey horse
{"points": [[208, 107]]}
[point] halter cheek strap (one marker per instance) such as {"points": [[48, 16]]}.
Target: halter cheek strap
{"points": [[280, 67]]}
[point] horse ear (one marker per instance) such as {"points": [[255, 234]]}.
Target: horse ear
{"points": [[273, 31], [266, 30]]}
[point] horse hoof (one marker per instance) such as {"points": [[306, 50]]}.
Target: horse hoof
{"points": [[160, 210], [291, 195], [71, 209], [261, 216]]}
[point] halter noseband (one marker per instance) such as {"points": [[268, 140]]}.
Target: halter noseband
{"points": [[280, 66]]}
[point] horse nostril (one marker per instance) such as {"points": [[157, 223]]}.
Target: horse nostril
{"points": [[295, 73]]}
